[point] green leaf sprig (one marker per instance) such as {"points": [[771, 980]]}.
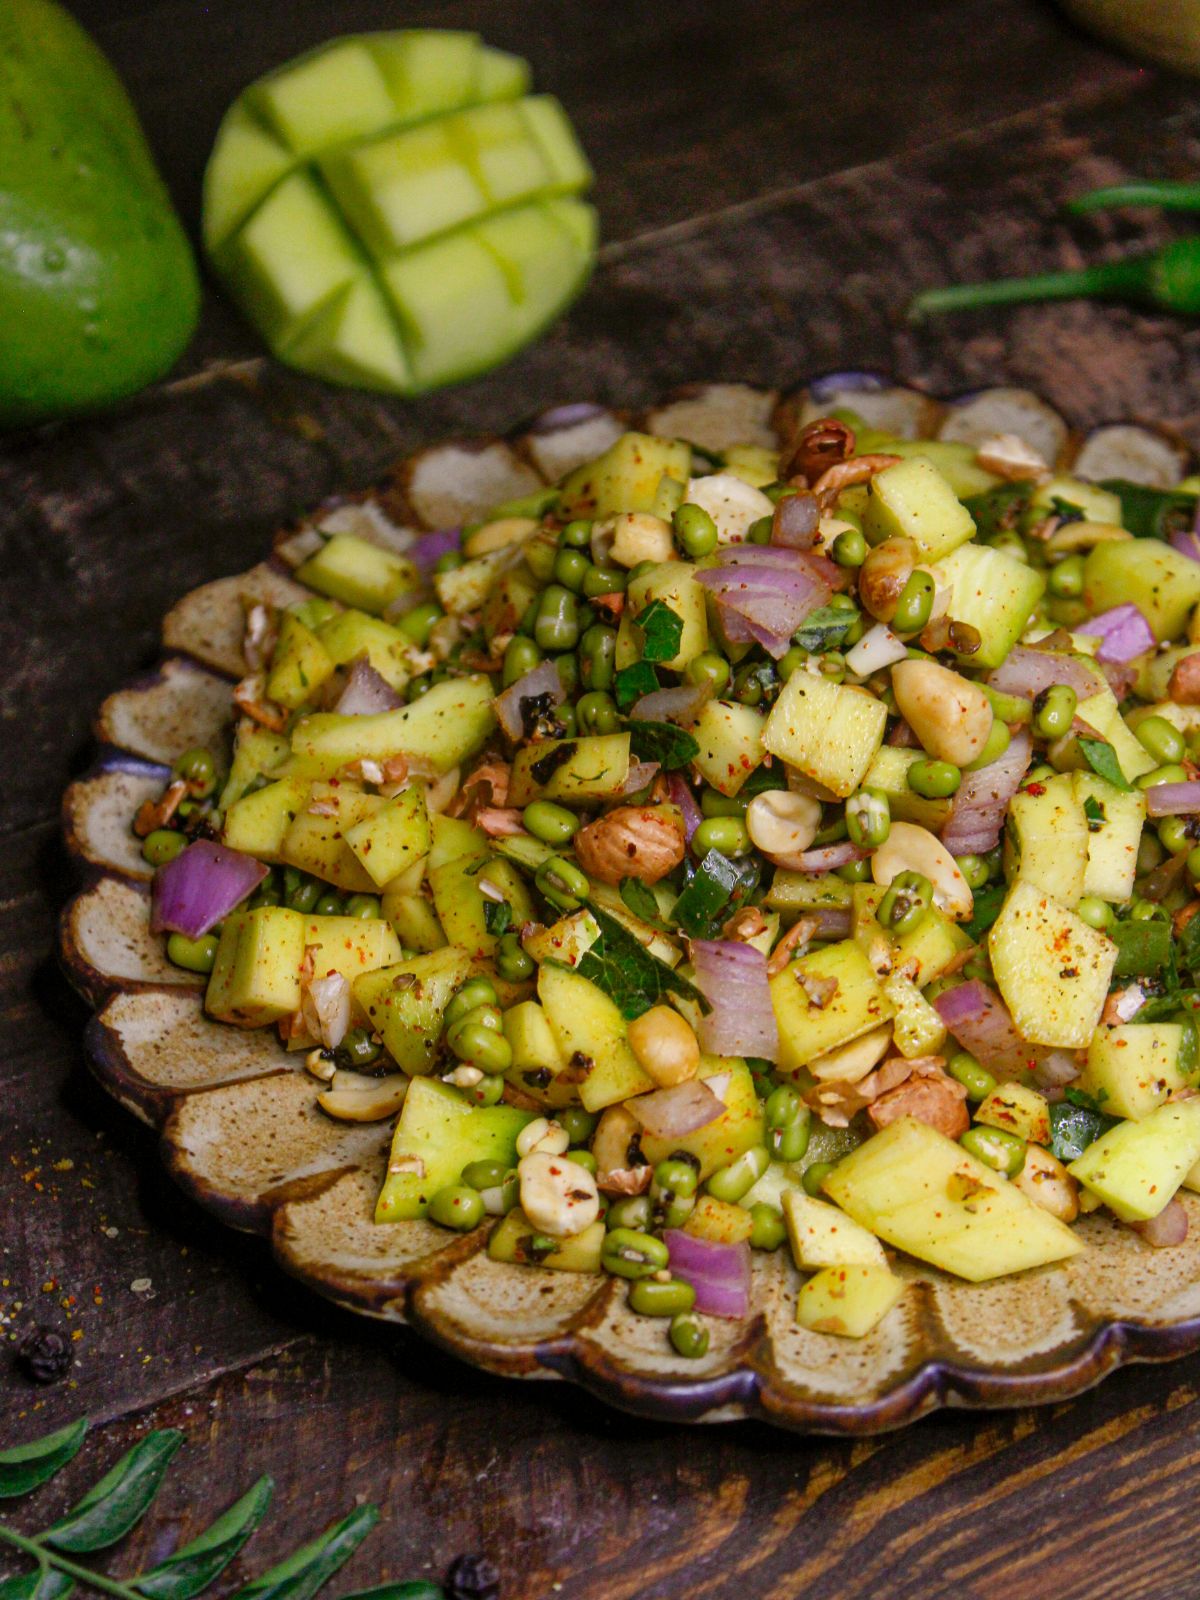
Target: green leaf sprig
{"points": [[113, 1506]]}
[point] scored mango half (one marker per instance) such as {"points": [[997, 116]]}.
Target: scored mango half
{"points": [[395, 212]]}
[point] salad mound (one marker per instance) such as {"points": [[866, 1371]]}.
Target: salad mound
{"points": [[715, 853]]}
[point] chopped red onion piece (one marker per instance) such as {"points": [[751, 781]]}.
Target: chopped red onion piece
{"points": [[640, 774], [1187, 540], [1169, 1227], [366, 692], [827, 857], [732, 977], [531, 697], [878, 648], [682, 1109], [325, 1006], [429, 548], [980, 1021], [682, 704], [1124, 633], [1026, 672], [201, 886], [566, 416], [1173, 799], [682, 796], [1056, 1069], [766, 602], [796, 519], [719, 1273], [981, 804]]}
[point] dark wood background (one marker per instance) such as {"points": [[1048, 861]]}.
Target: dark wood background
{"points": [[774, 181]]}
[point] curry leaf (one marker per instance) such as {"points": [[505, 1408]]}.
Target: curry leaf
{"points": [[663, 742], [1102, 759], [628, 974], [631, 683], [662, 631], [824, 629], [1187, 950], [497, 916], [27, 1466], [43, 1583], [415, 1589], [108, 1511], [194, 1567], [640, 899], [997, 510], [303, 1573]]}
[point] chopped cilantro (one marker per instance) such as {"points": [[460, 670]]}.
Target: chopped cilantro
{"points": [[1093, 810], [663, 742], [1102, 759], [662, 631], [628, 974], [631, 683], [640, 899]]}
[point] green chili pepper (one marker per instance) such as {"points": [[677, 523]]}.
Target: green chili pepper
{"points": [[1166, 279]]}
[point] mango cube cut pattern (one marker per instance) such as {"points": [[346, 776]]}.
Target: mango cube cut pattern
{"points": [[394, 211]]}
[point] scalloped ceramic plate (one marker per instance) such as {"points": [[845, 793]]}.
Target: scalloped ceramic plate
{"points": [[242, 1134]]}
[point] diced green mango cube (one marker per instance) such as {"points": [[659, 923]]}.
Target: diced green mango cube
{"points": [[828, 731], [1132, 1068], [353, 633], [993, 593], [333, 94], [349, 946], [730, 737], [1136, 1167], [822, 1235], [246, 160], [495, 143], [588, 1027], [404, 1003], [579, 1253], [354, 339], [358, 573], [1163, 584], [258, 822], [316, 837], [626, 476], [439, 1133], [255, 979], [1052, 969], [593, 767], [394, 838], [738, 1128], [445, 726], [811, 1024], [914, 500], [555, 138], [299, 666], [429, 69], [502, 76], [454, 303]]}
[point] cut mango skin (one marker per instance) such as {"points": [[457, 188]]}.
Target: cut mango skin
{"points": [[395, 212]]}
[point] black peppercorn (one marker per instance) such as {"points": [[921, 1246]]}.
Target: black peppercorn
{"points": [[472, 1578], [45, 1355]]}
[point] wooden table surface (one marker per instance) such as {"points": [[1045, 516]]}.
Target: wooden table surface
{"points": [[774, 181]]}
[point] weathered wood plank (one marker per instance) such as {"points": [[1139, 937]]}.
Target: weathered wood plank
{"points": [[683, 108], [557, 1491]]}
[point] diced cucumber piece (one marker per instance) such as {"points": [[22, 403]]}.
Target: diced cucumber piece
{"points": [[445, 726], [354, 340], [1115, 819], [848, 1301], [299, 666], [246, 160], [404, 1003], [501, 76], [1050, 834], [439, 1133], [555, 137], [332, 94], [807, 1029], [290, 258], [992, 592], [494, 143], [1097, 504], [1163, 584], [429, 69], [626, 476], [255, 979], [453, 300]]}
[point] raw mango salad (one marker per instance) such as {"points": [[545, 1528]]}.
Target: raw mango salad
{"points": [[718, 854]]}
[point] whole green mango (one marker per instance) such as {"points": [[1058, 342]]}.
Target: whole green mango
{"points": [[99, 292]]}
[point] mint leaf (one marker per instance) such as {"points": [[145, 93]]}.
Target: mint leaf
{"points": [[1102, 759], [640, 899], [718, 888], [631, 683], [663, 742], [662, 631], [1152, 513], [628, 974], [824, 629]]}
